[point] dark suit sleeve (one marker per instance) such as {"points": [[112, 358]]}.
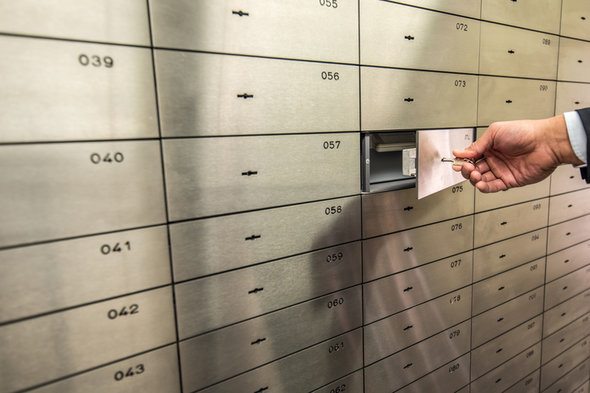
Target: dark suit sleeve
{"points": [[585, 117]]}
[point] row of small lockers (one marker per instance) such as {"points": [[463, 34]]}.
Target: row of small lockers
{"points": [[297, 280]]}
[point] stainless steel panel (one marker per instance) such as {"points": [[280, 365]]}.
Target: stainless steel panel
{"points": [[498, 257], [110, 21], [572, 380], [52, 100], [565, 313], [565, 337], [401, 99], [404, 367], [211, 302], [256, 96], [513, 99], [461, 7], [567, 206], [500, 224], [397, 210], [54, 276], [499, 350], [574, 19], [568, 260], [543, 15], [394, 293], [327, 31], [574, 61], [403, 250], [511, 196], [499, 379], [42, 349], [392, 334], [566, 178], [54, 191], [350, 384], [529, 384], [417, 38], [263, 171], [505, 286], [228, 242], [567, 286], [213, 357], [511, 51], [153, 372], [571, 96], [565, 362], [498, 320], [302, 371], [446, 379], [568, 233]]}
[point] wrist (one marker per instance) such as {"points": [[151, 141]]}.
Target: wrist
{"points": [[559, 142]]}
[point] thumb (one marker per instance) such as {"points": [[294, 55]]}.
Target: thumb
{"points": [[477, 149]]}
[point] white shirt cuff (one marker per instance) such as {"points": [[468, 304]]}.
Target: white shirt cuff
{"points": [[576, 134]]}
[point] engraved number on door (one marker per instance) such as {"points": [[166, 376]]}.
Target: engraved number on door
{"points": [[335, 257], [96, 61], [333, 210], [107, 158], [339, 389], [330, 76], [117, 247], [130, 372], [336, 347], [329, 3], [124, 311]]}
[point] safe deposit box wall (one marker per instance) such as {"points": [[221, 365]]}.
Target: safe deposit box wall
{"points": [[181, 207]]}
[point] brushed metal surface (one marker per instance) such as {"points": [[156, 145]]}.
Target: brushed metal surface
{"points": [[543, 15], [447, 379], [396, 371], [395, 293], [57, 275], [255, 96], [350, 384], [529, 384], [509, 373], [302, 371], [417, 38], [110, 21], [556, 368], [513, 99], [499, 350], [574, 19], [219, 300], [470, 8], [212, 245], [567, 234], [153, 372], [224, 353], [512, 196], [572, 380], [505, 286], [565, 337], [288, 29], [399, 331], [401, 99], [53, 191], [574, 61], [566, 178], [204, 175], [571, 96], [500, 224], [502, 318], [498, 257], [42, 349], [404, 250], [567, 286], [566, 312], [568, 260], [49, 95], [567, 206], [433, 146], [511, 51], [397, 210]]}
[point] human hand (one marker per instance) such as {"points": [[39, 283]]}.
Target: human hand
{"points": [[516, 153]]}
